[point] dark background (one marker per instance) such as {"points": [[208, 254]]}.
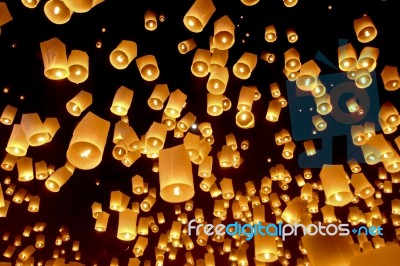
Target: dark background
{"points": [[319, 29]]}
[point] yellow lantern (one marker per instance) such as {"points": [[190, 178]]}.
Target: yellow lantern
{"points": [[365, 29], [2, 202], [347, 57], [8, 115], [368, 58], [227, 189], [79, 103], [4, 210], [176, 179], [352, 105], [86, 148], [101, 222], [288, 150], [205, 129], [140, 246], [205, 167], [265, 249], [96, 209], [323, 104], [289, 3], [274, 109], [148, 67], [158, 97], [82, 6], [17, 144], [294, 211], [186, 46], [150, 20], [214, 104], [218, 58], [52, 126], [175, 103], [390, 77], [123, 54], [389, 114], [354, 166], [26, 253], [186, 121], [362, 78], [30, 3], [127, 230], [291, 35], [269, 57], [270, 33], [25, 169], [309, 147], [169, 122], [245, 65], [57, 11], [198, 15], [200, 63], [78, 66], [308, 76], [362, 187], [357, 134], [58, 179], [122, 101], [292, 60], [34, 204], [218, 80], [335, 183], [54, 56], [224, 33], [34, 130], [155, 136], [137, 185], [250, 2]]}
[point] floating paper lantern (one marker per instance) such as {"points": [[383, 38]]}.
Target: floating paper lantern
{"points": [[86, 147], [245, 65], [25, 169], [245, 119], [368, 58], [270, 33], [186, 121], [158, 97], [122, 101], [357, 134], [102, 222], [30, 3], [82, 6], [34, 203], [8, 115], [198, 15], [224, 33], [269, 57], [308, 76], [291, 35], [290, 3], [52, 126], [186, 46], [389, 114], [200, 63], [323, 104], [347, 57], [17, 144], [54, 57], [127, 230], [335, 182], [176, 180], [362, 187], [390, 77], [79, 103], [123, 54], [27, 253], [214, 104], [118, 201], [57, 11], [274, 109], [78, 66], [219, 58], [265, 249], [218, 80], [362, 78], [137, 185], [365, 29], [309, 147], [292, 60], [58, 179], [148, 67], [34, 130], [175, 104], [205, 168], [150, 20]]}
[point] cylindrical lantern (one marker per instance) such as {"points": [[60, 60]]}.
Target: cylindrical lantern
{"points": [[335, 183], [150, 20], [25, 169], [176, 179], [308, 76], [265, 249], [390, 77], [140, 246], [79, 103], [123, 54], [27, 253], [291, 35], [218, 58], [362, 78], [289, 3], [7, 117], [54, 56], [122, 101], [186, 46], [347, 57], [205, 129], [227, 189], [137, 185], [158, 97], [294, 211], [52, 126], [205, 168], [309, 147], [168, 121], [30, 3], [362, 187], [224, 33], [34, 130], [274, 109], [82, 6], [57, 11], [198, 15], [270, 33], [288, 150], [155, 136], [186, 121], [86, 148], [101, 222], [245, 65], [389, 114], [34, 204], [368, 58], [175, 103], [323, 104], [127, 230], [365, 29], [218, 80], [214, 104], [148, 67], [357, 134], [200, 63], [118, 201], [292, 60], [78, 66], [269, 57], [58, 179], [17, 143]]}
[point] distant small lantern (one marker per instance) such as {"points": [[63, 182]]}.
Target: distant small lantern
{"points": [[291, 35], [148, 67], [79, 103], [78, 66], [54, 57], [123, 54]]}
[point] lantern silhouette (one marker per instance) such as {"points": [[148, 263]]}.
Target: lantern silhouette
{"points": [[78, 66], [198, 15], [245, 65], [148, 67], [79, 103], [123, 54], [122, 101], [365, 29], [158, 97], [57, 11], [8, 115], [224, 33], [176, 179], [54, 57]]}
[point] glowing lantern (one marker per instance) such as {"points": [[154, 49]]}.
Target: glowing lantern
{"points": [[127, 230], [58, 179], [214, 104], [30, 3], [245, 65], [224, 33], [102, 221], [288, 150], [265, 249], [176, 179], [123, 54], [309, 147], [81, 6], [362, 187], [175, 103], [186, 46], [140, 246], [357, 134], [218, 80], [137, 185], [205, 168], [292, 60], [365, 29], [158, 97], [52, 126], [269, 57], [79, 103], [368, 58], [362, 78], [78, 66], [389, 114], [270, 33], [8, 115], [27, 253], [390, 77], [148, 67], [25, 169], [186, 121], [198, 15], [245, 119], [122, 101], [335, 182], [308, 76], [34, 130], [54, 57], [250, 2], [323, 104], [200, 63], [219, 58], [347, 57], [150, 20], [118, 201], [57, 11], [274, 109], [294, 211]]}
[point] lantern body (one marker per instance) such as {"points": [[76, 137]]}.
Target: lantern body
{"points": [[214, 104], [78, 66], [335, 182], [123, 54], [200, 63], [79, 103], [54, 57], [175, 103], [390, 77], [150, 20], [148, 67], [176, 179], [58, 179], [245, 65], [270, 33], [7, 117], [81, 6], [34, 130], [224, 33], [25, 169], [265, 249], [308, 76], [86, 148], [127, 230], [186, 46], [198, 15], [158, 97], [57, 11], [347, 57], [17, 144], [122, 101], [218, 80], [365, 29], [292, 60]]}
